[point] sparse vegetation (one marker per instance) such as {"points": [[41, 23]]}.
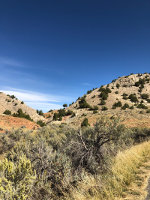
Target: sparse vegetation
{"points": [[60, 161], [61, 113], [142, 106], [117, 104], [118, 85], [21, 114], [7, 112], [40, 112], [125, 96], [104, 93], [104, 108], [144, 96], [41, 123], [125, 106], [83, 103], [85, 123], [133, 98], [102, 102]]}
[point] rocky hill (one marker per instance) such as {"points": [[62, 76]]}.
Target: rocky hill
{"points": [[127, 97], [9, 103]]}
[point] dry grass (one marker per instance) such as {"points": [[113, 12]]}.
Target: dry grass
{"points": [[112, 186]]}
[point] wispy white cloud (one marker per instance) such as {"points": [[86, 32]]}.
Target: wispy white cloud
{"points": [[38, 100], [5, 61], [87, 84], [44, 106]]}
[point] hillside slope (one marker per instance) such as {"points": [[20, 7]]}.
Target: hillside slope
{"points": [[12, 104], [127, 97]]}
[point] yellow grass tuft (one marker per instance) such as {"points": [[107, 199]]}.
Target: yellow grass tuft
{"points": [[112, 185]]}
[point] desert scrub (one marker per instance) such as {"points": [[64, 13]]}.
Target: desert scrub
{"points": [[122, 173], [16, 179], [64, 158]]}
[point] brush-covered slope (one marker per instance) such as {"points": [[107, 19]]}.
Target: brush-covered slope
{"points": [[127, 96], [12, 104]]}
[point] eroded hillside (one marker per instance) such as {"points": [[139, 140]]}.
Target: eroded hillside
{"points": [[127, 97], [12, 104]]}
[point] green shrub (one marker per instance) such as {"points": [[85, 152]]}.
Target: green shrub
{"points": [[148, 111], [144, 96], [131, 107], [95, 111], [40, 112], [41, 123], [142, 106], [55, 116], [118, 85], [133, 98], [125, 96], [140, 82], [61, 113], [104, 92], [104, 95], [114, 80], [85, 122], [83, 103], [65, 105], [89, 91], [125, 106], [148, 100], [104, 108], [7, 112], [117, 104], [94, 108], [102, 102], [16, 179], [21, 114]]}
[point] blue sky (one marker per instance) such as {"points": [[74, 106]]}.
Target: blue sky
{"points": [[52, 52]]}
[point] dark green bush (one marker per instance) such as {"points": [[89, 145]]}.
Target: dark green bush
{"points": [[118, 85], [148, 100], [65, 105], [41, 123], [125, 106], [133, 98], [61, 113], [142, 106], [21, 114], [95, 111], [94, 108], [83, 103], [104, 108], [144, 96], [131, 107], [7, 112], [117, 104], [125, 96], [102, 102], [85, 122], [89, 91]]}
